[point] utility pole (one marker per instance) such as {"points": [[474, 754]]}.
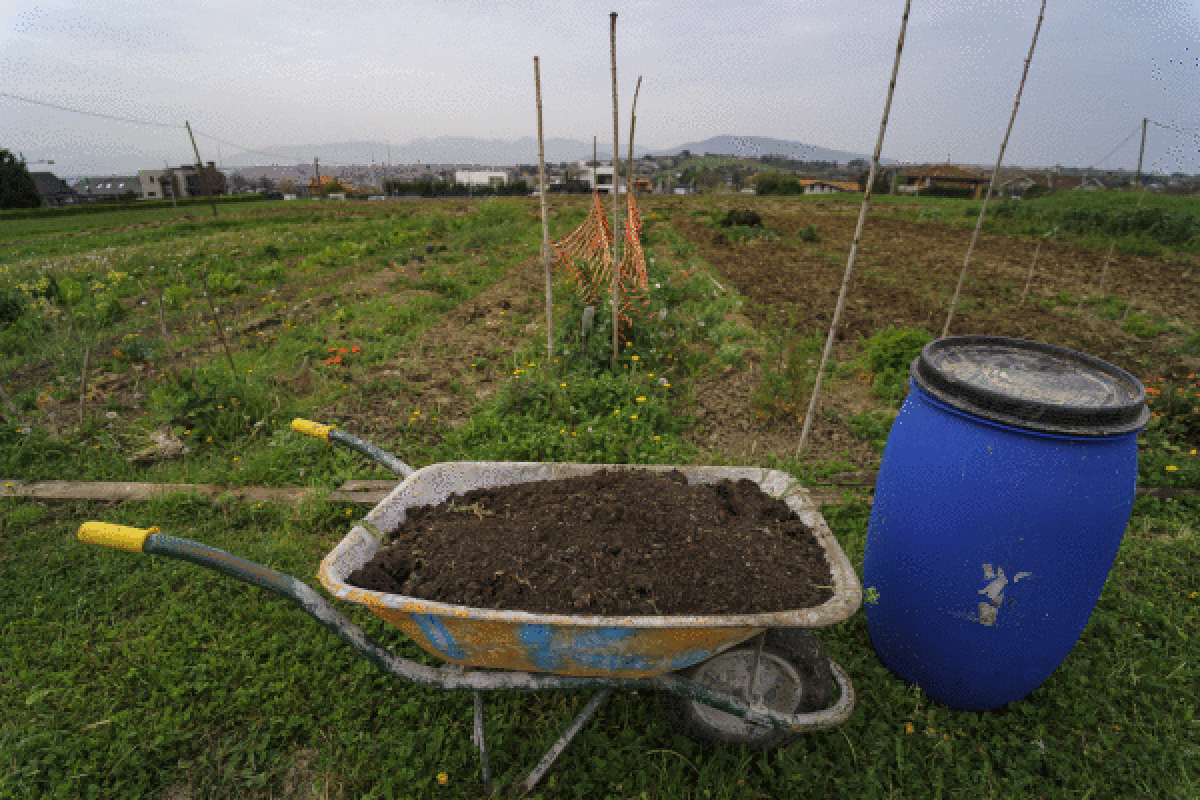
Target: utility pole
{"points": [[171, 177], [1141, 152], [200, 168], [317, 180]]}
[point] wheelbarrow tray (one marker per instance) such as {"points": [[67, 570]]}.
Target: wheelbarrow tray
{"points": [[568, 644]]}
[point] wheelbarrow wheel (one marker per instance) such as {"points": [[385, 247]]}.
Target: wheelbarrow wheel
{"points": [[794, 677]]}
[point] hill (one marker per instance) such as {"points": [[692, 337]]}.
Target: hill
{"points": [[755, 146]]}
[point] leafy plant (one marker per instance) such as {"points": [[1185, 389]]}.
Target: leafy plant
{"points": [[211, 406], [223, 284], [889, 354]]}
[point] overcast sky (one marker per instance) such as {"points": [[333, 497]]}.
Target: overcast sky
{"points": [[272, 73]]}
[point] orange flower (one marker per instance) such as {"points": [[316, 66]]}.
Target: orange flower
{"points": [[331, 349], [355, 349]]}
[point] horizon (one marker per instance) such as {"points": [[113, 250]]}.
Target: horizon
{"points": [[248, 78]]}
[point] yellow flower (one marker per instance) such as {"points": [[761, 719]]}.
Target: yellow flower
{"points": [[443, 779], [641, 399], [908, 727], [633, 416], [1172, 469], [349, 512], [1193, 452], [563, 386], [634, 358], [656, 438], [209, 439]]}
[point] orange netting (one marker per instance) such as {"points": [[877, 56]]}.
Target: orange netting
{"points": [[585, 255]]}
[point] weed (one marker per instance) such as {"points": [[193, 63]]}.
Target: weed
{"points": [[808, 234], [1143, 326], [871, 426]]}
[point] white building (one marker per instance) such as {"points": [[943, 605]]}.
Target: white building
{"points": [[600, 178], [466, 177]]}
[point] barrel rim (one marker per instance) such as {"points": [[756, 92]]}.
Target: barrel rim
{"points": [[1031, 414]]}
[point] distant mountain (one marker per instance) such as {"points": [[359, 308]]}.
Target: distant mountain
{"points": [[755, 146], [443, 150], [507, 152]]}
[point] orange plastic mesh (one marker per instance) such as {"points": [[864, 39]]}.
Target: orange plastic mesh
{"points": [[585, 257]]}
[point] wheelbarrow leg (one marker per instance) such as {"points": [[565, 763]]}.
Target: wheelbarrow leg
{"points": [[481, 743], [593, 705]]}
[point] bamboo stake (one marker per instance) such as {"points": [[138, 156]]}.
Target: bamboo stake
{"points": [[992, 184], [1029, 279], [862, 215], [612, 37], [87, 354], [632, 123], [1104, 272], [537, 80]]}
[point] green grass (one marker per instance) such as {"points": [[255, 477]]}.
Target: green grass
{"points": [[129, 675]]}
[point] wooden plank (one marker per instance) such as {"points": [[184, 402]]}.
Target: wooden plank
{"points": [[122, 492], [368, 493]]}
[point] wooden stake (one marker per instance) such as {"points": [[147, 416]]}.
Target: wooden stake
{"points": [[537, 80], [200, 169], [1029, 279], [12, 407], [616, 230], [991, 184], [862, 215], [220, 333], [1104, 272], [162, 324], [87, 354]]}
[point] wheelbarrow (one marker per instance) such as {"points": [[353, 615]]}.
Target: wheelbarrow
{"points": [[753, 679]]}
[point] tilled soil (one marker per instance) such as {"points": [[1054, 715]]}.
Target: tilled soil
{"points": [[610, 543]]}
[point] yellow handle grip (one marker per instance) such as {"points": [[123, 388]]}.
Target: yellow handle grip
{"points": [[121, 537], [310, 428]]}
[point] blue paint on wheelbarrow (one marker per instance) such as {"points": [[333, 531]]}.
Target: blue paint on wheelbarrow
{"points": [[439, 637]]}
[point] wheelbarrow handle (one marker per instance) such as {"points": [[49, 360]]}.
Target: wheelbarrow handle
{"points": [[121, 537], [330, 433]]}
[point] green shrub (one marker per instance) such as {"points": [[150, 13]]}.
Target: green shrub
{"points": [[889, 354], [808, 234]]}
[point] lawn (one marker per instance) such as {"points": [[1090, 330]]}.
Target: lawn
{"points": [[420, 326]]}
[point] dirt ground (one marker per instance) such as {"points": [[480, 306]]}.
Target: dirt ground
{"points": [[905, 274], [613, 542]]}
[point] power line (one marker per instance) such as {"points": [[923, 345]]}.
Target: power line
{"points": [[89, 113], [1118, 147]]}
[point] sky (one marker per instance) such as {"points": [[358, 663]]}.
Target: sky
{"points": [[252, 76]]}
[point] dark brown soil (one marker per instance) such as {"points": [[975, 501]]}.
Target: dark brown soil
{"points": [[611, 543]]}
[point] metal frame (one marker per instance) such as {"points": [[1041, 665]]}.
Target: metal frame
{"points": [[457, 678]]}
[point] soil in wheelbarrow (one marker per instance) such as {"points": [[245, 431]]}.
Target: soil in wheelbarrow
{"points": [[614, 542]]}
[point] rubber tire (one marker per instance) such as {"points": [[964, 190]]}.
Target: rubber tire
{"points": [[801, 650]]}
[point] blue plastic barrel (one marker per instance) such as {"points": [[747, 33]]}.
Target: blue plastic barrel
{"points": [[1006, 485]]}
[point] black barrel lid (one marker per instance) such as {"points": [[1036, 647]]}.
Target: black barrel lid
{"points": [[1032, 385]]}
